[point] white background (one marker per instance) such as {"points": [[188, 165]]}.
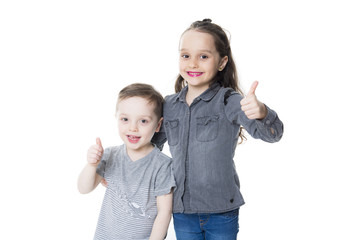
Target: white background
{"points": [[62, 64]]}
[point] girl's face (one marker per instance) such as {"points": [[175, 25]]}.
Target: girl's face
{"points": [[199, 59]]}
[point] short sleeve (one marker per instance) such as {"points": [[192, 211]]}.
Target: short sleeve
{"points": [[101, 167], [164, 181]]}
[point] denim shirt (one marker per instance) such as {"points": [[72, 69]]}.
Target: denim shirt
{"points": [[202, 139]]}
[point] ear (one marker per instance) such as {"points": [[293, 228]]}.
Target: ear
{"points": [[159, 125], [223, 63]]}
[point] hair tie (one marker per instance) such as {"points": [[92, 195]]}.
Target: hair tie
{"points": [[207, 20]]}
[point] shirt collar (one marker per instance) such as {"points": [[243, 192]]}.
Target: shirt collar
{"points": [[205, 96]]}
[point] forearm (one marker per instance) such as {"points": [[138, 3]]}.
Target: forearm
{"points": [[160, 226], [162, 220], [88, 179], [264, 124]]}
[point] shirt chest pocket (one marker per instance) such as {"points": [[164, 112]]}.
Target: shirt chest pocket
{"points": [[207, 128], [172, 131]]}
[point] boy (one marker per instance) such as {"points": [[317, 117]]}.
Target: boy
{"points": [[138, 198]]}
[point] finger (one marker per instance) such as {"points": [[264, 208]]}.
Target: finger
{"points": [[253, 88], [93, 158], [252, 116], [95, 154], [248, 109], [98, 142], [246, 100], [251, 112], [250, 101], [245, 108], [243, 101], [104, 182], [96, 149]]}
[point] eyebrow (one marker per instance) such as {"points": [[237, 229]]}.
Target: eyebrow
{"points": [[201, 50], [141, 116]]}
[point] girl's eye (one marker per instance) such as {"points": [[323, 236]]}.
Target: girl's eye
{"points": [[185, 56], [144, 121], [124, 119], [203, 57]]}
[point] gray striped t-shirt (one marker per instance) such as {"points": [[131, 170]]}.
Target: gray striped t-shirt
{"points": [[129, 206]]}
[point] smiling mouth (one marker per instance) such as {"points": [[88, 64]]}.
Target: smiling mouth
{"points": [[195, 74], [133, 139]]}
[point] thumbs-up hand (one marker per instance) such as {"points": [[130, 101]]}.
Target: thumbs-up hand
{"points": [[252, 107], [95, 153]]}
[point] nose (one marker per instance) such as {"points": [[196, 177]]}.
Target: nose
{"points": [[193, 63], [133, 127]]}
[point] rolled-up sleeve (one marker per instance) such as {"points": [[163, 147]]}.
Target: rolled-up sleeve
{"points": [[270, 129]]}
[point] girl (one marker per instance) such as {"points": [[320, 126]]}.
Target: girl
{"points": [[203, 121]]}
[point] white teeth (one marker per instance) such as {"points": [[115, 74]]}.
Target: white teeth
{"points": [[195, 74], [133, 137]]}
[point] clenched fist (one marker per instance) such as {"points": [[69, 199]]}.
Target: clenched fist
{"points": [[252, 107], [95, 152]]}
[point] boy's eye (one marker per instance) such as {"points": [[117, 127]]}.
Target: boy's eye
{"points": [[144, 121], [124, 119], [203, 57], [185, 56]]}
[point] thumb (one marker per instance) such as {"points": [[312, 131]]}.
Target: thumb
{"points": [[253, 88], [98, 142]]}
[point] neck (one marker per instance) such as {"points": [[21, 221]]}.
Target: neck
{"points": [[135, 155]]}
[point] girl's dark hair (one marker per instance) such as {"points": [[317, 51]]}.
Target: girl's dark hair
{"points": [[228, 76]]}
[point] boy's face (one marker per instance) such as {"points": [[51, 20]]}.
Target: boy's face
{"points": [[137, 123]]}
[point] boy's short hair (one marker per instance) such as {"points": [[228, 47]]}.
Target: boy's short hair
{"points": [[145, 91]]}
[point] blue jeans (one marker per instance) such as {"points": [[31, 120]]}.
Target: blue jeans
{"points": [[213, 226]]}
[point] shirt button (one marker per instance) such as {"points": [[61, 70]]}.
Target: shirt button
{"points": [[272, 131], [267, 122], [231, 200]]}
